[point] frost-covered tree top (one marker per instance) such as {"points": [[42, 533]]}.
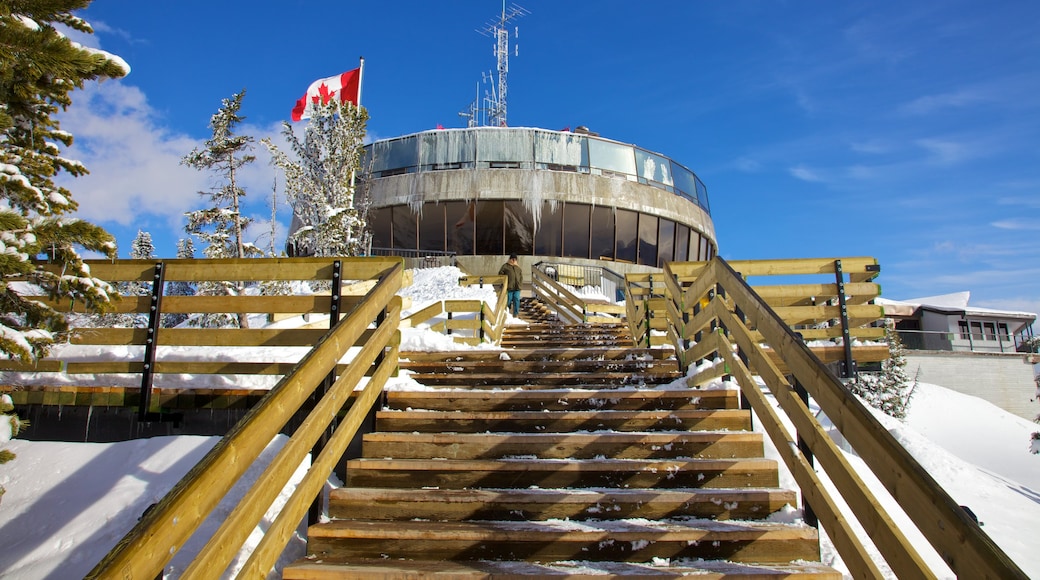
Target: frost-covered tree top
{"points": [[39, 69], [320, 180], [221, 224], [142, 247]]}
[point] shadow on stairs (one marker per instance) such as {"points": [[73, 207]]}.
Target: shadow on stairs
{"points": [[568, 453]]}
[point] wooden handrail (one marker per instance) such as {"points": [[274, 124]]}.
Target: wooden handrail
{"points": [[146, 549], [720, 298], [487, 324]]}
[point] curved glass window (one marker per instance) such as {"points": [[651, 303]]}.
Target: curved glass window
{"points": [[602, 238], [626, 235], [665, 242], [404, 228], [576, 230], [394, 154], [613, 157], [448, 149], [519, 229], [561, 151], [505, 148], [460, 223], [431, 228], [682, 243], [548, 237], [648, 239], [654, 169], [496, 147]]}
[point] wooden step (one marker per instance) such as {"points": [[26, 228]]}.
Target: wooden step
{"points": [[562, 473], [515, 366], [564, 399], [546, 354], [644, 445], [543, 504], [619, 541], [648, 377], [562, 421], [330, 568]]}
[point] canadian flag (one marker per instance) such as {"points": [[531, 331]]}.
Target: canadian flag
{"points": [[343, 87]]}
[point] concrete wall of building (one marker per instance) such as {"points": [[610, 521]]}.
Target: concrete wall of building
{"points": [[538, 185], [1006, 380]]}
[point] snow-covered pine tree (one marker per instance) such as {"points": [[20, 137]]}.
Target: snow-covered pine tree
{"points": [[320, 182], [220, 226], [891, 388], [185, 251], [39, 69]]}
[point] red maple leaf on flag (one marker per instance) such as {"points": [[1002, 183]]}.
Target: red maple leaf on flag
{"points": [[324, 94]]}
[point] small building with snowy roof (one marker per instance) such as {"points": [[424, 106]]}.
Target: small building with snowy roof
{"points": [[949, 323]]}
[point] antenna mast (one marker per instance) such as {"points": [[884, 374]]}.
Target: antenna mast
{"points": [[495, 113]]}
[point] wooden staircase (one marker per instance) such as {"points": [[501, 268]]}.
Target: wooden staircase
{"points": [[566, 455]]}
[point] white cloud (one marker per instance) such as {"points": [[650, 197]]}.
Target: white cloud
{"points": [[1016, 224], [944, 151], [134, 162], [953, 100], [805, 174]]}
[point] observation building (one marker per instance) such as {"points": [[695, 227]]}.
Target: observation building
{"points": [[483, 193]]}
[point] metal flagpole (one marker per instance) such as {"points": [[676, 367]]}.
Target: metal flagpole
{"points": [[357, 113]]}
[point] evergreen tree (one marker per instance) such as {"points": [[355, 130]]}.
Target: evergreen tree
{"points": [[142, 248], [220, 226], [320, 183], [891, 388], [39, 69], [10, 426]]}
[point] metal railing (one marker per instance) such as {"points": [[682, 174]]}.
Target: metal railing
{"points": [[560, 287]]}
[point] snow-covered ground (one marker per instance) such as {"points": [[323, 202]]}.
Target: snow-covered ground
{"points": [[67, 504]]}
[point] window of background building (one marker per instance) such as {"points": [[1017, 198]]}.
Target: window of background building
{"points": [[665, 242], [513, 148], [389, 156], [976, 330], [379, 220], [548, 238], [626, 235], [991, 331], [490, 227], [1002, 329], [576, 230], [963, 326], [561, 151], [404, 228], [459, 217], [705, 251], [654, 169], [602, 233], [431, 228], [448, 150], [682, 243], [519, 229], [648, 239], [612, 157]]}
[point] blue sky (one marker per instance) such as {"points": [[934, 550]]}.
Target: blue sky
{"points": [[907, 131]]}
